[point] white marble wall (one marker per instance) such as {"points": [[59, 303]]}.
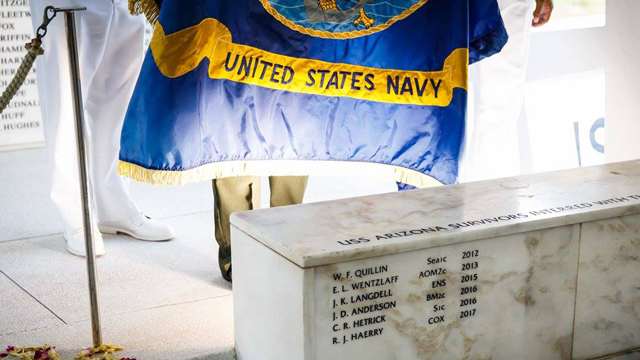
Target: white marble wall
{"points": [[271, 303], [608, 300], [525, 300]]}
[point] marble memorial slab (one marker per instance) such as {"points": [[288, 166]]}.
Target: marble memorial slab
{"points": [[545, 266]]}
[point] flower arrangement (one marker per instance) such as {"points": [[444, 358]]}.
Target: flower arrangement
{"points": [[48, 352]]}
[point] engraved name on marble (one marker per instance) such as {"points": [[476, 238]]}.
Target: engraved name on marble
{"points": [[373, 296]]}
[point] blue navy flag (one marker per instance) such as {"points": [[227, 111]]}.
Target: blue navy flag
{"points": [[305, 87]]}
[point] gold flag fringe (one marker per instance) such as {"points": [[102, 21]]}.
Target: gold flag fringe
{"points": [[275, 168], [148, 8]]}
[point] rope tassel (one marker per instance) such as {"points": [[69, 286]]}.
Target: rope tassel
{"points": [[149, 8]]}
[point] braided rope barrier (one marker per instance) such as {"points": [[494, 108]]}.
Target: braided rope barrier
{"points": [[34, 49]]}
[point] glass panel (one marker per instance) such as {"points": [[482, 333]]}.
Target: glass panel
{"points": [[565, 117]]}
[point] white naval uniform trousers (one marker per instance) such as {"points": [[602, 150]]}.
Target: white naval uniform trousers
{"points": [[496, 145], [110, 43]]}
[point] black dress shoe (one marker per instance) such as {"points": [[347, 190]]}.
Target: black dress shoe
{"points": [[227, 276]]}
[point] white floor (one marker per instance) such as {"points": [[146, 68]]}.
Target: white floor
{"points": [[158, 300]]}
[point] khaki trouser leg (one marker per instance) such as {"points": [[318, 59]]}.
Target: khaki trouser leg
{"points": [[235, 194], [231, 195], [287, 190]]}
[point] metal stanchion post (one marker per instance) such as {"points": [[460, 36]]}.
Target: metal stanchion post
{"points": [[83, 163]]}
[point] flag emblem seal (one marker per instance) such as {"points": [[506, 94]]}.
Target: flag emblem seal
{"points": [[340, 19]]}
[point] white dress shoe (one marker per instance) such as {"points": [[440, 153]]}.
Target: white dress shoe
{"points": [[140, 227], [75, 242]]}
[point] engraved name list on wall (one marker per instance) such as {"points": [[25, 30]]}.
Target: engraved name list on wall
{"points": [[21, 122]]}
